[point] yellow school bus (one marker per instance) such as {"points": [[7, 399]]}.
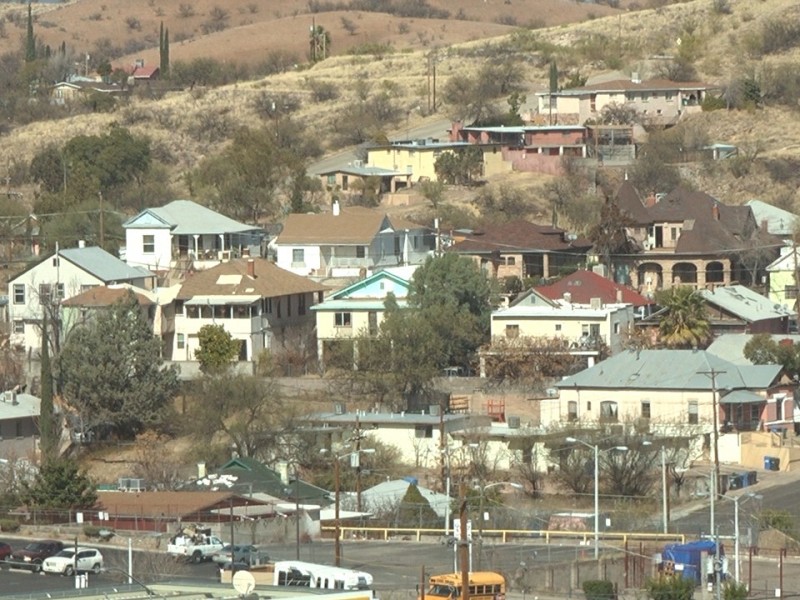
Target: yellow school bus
{"points": [[483, 585]]}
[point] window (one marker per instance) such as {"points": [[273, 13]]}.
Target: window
{"points": [[589, 406], [332, 179], [511, 261], [512, 331], [343, 319], [572, 410], [148, 244], [60, 291], [423, 431], [193, 311], [779, 409], [668, 96], [692, 409], [645, 409], [558, 326], [298, 256], [19, 326], [241, 311], [361, 251], [19, 293], [181, 341], [790, 292], [645, 97], [608, 411], [45, 293], [673, 233], [617, 327], [288, 306], [301, 304], [56, 262]]}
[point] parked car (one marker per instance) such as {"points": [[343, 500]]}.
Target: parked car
{"points": [[33, 555], [241, 554], [64, 562], [5, 550]]}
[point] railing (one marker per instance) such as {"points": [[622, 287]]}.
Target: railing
{"points": [[506, 535]]}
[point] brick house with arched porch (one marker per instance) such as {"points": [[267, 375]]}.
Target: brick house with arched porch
{"points": [[688, 237]]}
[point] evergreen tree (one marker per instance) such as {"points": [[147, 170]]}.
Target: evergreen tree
{"points": [[60, 484], [47, 426], [416, 511], [30, 40], [165, 55]]}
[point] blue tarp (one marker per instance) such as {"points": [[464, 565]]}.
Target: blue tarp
{"points": [[689, 557]]}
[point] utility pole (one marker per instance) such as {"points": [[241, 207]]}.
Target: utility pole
{"points": [[463, 543], [102, 221], [337, 547], [713, 373], [358, 438]]}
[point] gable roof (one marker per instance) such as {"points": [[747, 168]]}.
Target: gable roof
{"points": [[730, 346], [708, 225], [185, 217], [186, 505], [629, 85], [744, 303], [103, 265], [366, 295], [354, 225], [19, 406], [390, 493], [645, 369], [584, 285], [103, 295], [353, 289], [230, 279], [518, 236], [786, 261], [779, 221]]}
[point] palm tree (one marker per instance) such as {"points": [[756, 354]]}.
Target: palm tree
{"points": [[684, 324]]}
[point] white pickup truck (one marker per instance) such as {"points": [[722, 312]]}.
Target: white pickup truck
{"points": [[194, 548]]}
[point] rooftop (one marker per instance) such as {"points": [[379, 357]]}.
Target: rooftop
{"points": [[185, 217], [519, 236], [584, 285], [744, 303], [354, 225]]}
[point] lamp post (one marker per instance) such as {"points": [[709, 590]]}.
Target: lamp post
{"points": [[516, 486], [735, 500], [596, 449], [664, 489]]}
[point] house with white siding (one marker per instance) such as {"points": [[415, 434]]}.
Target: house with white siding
{"points": [[60, 276]]}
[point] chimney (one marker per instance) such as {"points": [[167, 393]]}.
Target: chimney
{"points": [[251, 268], [567, 297], [715, 211], [81, 243], [201, 470], [282, 467], [651, 200], [619, 296], [335, 208], [635, 78], [764, 225]]}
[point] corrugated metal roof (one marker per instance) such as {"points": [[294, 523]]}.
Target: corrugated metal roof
{"points": [[26, 406], [357, 304], [187, 218], [566, 312], [730, 346], [744, 303], [686, 370], [103, 265], [220, 300], [741, 397]]}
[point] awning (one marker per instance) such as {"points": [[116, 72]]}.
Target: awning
{"points": [[222, 300], [741, 397]]}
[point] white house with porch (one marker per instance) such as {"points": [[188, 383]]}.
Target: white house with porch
{"points": [[159, 238]]}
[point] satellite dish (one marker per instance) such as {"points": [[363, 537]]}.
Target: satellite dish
{"points": [[244, 582]]}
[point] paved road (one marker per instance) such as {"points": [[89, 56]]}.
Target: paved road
{"points": [[433, 127]]}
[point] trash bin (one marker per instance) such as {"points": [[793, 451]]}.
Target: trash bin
{"points": [[772, 463], [735, 482], [752, 477]]}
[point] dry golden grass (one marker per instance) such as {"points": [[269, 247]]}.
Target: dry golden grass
{"points": [[173, 122]]}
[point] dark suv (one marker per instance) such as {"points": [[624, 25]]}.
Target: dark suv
{"points": [[32, 555]]}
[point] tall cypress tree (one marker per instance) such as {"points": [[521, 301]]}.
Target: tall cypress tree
{"points": [[165, 57], [30, 40], [47, 430]]}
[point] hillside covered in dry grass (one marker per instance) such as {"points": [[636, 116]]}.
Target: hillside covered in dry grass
{"points": [[187, 126]]}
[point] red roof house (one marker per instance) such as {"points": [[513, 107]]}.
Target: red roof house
{"points": [[584, 285]]}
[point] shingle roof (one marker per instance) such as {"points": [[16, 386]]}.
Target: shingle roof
{"points": [[519, 236], [231, 279], [584, 285], [354, 225], [630, 202], [103, 265], [160, 504], [185, 217], [646, 369], [106, 296], [744, 303]]}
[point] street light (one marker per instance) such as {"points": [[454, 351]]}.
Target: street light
{"points": [[355, 459], [664, 490], [596, 449], [735, 500], [516, 486]]}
